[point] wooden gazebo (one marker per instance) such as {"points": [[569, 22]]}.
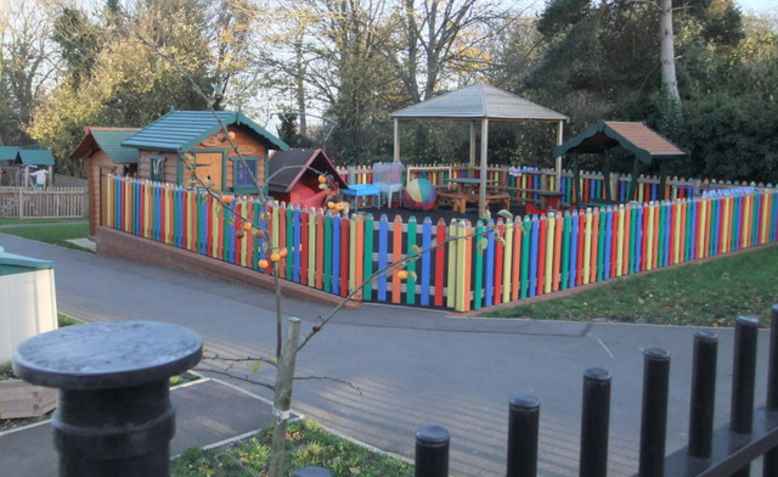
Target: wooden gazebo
{"points": [[478, 105]]}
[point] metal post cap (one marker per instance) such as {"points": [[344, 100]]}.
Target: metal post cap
{"points": [[656, 354], [597, 374], [312, 472], [749, 321], [707, 336], [107, 355], [432, 435], [525, 401]]}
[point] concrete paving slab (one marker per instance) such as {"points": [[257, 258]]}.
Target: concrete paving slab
{"points": [[208, 412]]}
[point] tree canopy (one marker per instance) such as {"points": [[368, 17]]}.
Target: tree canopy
{"points": [[330, 72]]}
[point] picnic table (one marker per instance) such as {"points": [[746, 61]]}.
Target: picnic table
{"points": [[466, 191]]}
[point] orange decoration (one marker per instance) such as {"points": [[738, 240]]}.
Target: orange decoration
{"points": [[322, 179], [340, 206], [247, 226], [402, 274], [283, 252], [264, 263], [274, 257], [228, 199], [330, 205]]}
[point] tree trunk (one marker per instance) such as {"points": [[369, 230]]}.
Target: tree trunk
{"points": [[300, 88], [666, 38], [282, 400]]}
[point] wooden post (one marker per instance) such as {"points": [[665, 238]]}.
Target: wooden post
{"points": [[484, 167], [283, 399], [21, 203], [560, 133], [634, 182], [472, 144], [396, 140], [606, 181]]}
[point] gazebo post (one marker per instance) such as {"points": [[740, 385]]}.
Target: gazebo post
{"points": [[560, 133], [396, 156], [484, 167], [472, 144]]}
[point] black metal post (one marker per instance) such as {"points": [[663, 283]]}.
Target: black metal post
{"points": [[595, 416], [703, 394], [653, 426], [432, 444], [743, 380], [770, 463], [312, 472], [114, 416], [523, 424]]}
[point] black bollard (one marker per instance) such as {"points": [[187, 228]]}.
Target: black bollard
{"points": [[743, 380], [523, 422], [432, 451], [312, 472], [595, 416], [703, 394], [114, 415], [770, 464], [653, 425]]}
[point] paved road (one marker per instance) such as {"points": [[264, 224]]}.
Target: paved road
{"points": [[412, 366]]}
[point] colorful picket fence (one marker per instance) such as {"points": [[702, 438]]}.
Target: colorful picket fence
{"points": [[460, 265], [526, 183]]}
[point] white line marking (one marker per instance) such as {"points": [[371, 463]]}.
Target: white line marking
{"points": [[24, 428], [604, 346]]}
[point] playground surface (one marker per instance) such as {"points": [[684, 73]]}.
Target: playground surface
{"points": [[412, 366]]}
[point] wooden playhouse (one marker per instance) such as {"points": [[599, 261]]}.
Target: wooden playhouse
{"points": [[183, 143], [294, 177], [103, 153]]}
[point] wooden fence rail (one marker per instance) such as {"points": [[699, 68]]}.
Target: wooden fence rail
{"points": [[54, 202]]}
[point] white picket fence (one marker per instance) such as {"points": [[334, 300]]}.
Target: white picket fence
{"points": [[54, 202]]}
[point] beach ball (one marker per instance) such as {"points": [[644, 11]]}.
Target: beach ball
{"points": [[419, 194]]}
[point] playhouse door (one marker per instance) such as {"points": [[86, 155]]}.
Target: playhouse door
{"points": [[209, 168]]}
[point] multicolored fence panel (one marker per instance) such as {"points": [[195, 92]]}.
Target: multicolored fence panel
{"points": [[460, 265], [526, 183]]}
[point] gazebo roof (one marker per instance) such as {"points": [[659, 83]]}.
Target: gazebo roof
{"points": [[637, 138], [476, 102]]}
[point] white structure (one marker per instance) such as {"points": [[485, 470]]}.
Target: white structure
{"points": [[28, 302]]}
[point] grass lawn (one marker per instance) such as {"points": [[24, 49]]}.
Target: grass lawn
{"points": [[710, 294], [310, 445], [56, 233], [9, 221]]}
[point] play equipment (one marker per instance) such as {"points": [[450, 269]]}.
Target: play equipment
{"points": [[419, 194], [304, 177]]}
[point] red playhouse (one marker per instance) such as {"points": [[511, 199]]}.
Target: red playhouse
{"points": [[294, 177]]}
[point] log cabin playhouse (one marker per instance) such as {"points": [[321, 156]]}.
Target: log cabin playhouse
{"points": [[165, 145]]}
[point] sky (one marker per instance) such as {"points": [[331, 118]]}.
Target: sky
{"points": [[762, 6]]}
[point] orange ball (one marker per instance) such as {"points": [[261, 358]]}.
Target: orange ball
{"points": [[322, 179], [283, 252], [264, 263], [247, 226], [274, 257], [228, 199], [402, 274], [330, 205]]}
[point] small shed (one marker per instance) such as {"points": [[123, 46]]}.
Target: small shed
{"points": [[17, 162], [29, 300], [644, 145], [103, 153], [293, 176], [181, 143]]}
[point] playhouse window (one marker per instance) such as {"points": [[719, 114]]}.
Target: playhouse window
{"points": [[244, 174], [157, 166]]}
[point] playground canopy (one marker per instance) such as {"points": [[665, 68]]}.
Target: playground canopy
{"points": [[643, 143], [479, 103]]}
